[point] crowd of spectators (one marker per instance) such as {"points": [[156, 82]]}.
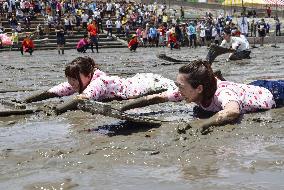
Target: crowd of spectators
{"points": [[154, 24]]}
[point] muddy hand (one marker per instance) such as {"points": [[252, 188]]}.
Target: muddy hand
{"points": [[198, 125], [48, 109], [202, 125], [182, 128]]}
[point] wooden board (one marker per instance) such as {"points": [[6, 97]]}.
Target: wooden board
{"points": [[106, 110]]}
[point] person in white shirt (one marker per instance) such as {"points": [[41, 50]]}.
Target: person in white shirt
{"points": [[117, 6], [109, 27], [118, 26], [109, 9], [85, 18], [96, 13], [202, 34], [238, 44]]}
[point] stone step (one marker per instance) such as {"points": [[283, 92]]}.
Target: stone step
{"points": [[40, 44], [66, 47], [75, 35], [75, 40], [33, 27]]}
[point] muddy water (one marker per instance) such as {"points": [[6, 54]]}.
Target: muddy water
{"points": [[53, 152]]}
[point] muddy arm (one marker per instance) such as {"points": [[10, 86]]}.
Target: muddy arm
{"points": [[215, 51], [40, 96], [144, 101], [68, 106], [230, 113]]}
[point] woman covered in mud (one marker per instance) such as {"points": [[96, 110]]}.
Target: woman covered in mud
{"points": [[84, 77], [197, 84]]}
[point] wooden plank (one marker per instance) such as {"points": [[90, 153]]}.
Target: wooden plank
{"points": [[6, 113], [106, 110]]}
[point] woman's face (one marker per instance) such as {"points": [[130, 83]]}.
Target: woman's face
{"points": [[189, 93], [75, 83]]}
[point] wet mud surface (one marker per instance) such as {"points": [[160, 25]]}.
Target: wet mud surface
{"points": [[71, 151]]}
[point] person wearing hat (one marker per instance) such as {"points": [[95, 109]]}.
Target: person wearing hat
{"points": [[238, 44], [27, 45], [133, 43]]}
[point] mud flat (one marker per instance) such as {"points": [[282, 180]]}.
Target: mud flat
{"points": [[67, 151]]}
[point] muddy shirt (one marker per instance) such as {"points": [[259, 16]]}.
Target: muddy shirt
{"points": [[250, 98], [108, 87], [235, 43]]}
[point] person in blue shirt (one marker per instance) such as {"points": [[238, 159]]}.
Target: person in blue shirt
{"points": [[191, 30], [152, 35]]}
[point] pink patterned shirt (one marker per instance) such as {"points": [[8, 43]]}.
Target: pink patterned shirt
{"points": [[103, 86], [250, 98]]}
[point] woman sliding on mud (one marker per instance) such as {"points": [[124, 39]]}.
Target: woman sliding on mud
{"points": [[197, 83], [85, 78]]}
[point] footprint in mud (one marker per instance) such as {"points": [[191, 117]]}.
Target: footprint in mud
{"points": [[65, 184]]}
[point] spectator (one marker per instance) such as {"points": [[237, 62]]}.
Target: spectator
{"points": [[19, 28], [192, 35], [133, 43], [202, 35], [78, 21], [27, 21], [109, 27], [27, 45], [118, 26], [39, 31], [93, 34], [85, 18], [15, 39], [83, 44], [2, 29], [277, 27], [60, 38], [268, 11], [13, 22], [19, 14], [181, 13], [261, 27]]}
